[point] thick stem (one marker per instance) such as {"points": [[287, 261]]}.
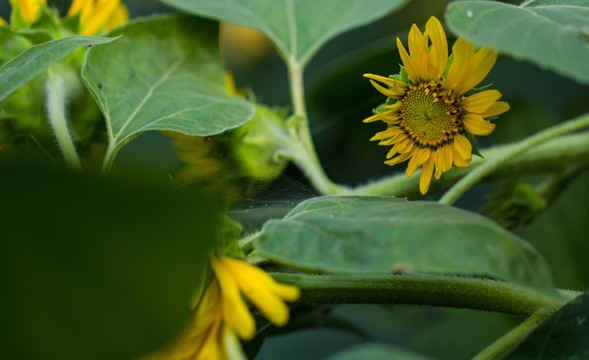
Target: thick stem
{"points": [[514, 337], [499, 160], [57, 120], [305, 155], [434, 290], [109, 158], [554, 155]]}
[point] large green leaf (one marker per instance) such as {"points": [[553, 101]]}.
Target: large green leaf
{"points": [[564, 335], [356, 234], [35, 59], [298, 28], [551, 33], [165, 73], [93, 268]]}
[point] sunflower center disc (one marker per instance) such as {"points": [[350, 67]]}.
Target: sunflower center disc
{"points": [[427, 118]]}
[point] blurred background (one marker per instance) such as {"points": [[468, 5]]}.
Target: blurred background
{"points": [[339, 98]]}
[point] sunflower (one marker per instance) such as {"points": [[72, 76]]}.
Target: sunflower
{"points": [[222, 317], [432, 110]]}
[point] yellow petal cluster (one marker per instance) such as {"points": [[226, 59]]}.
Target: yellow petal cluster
{"points": [[96, 15], [28, 9], [430, 118], [222, 317]]}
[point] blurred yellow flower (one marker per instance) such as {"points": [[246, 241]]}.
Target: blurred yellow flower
{"points": [[430, 119], [27, 9], [222, 315], [96, 15]]}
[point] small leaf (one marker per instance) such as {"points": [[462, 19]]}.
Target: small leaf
{"points": [[97, 268], [298, 28], [35, 59], [357, 234], [564, 335], [165, 73], [376, 352], [550, 33]]}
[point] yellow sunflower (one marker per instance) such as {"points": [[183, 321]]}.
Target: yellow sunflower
{"points": [[222, 316], [95, 15], [430, 119]]}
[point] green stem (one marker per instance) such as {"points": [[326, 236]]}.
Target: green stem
{"points": [[246, 243], [109, 158], [553, 156], [424, 289], [501, 159], [514, 337], [57, 120], [305, 155]]}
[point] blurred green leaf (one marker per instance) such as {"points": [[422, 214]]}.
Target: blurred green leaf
{"points": [[32, 61], [375, 352], [298, 28], [356, 234], [553, 34], [181, 89], [564, 335], [97, 268]]}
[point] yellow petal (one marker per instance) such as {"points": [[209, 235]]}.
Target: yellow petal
{"points": [[417, 160], [482, 63], [77, 6], [95, 20], [2, 22], [411, 70], [235, 312], [120, 16], [480, 102], [386, 134], [392, 83], [417, 49], [461, 151], [496, 109], [447, 157], [476, 125], [399, 159], [372, 118], [262, 290], [438, 162], [426, 176], [385, 91], [439, 48], [461, 65], [399, 146]]}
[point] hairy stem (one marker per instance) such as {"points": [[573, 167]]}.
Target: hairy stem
{"points": [[424, 289], [56, 113], [552, 156], [305, 155], [499, 160]]}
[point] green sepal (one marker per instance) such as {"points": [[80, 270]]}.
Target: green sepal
{"points": [[477, 90], [44, 28], [515, 205], [402, 76], [473, 143], [255, 143], [228, 233]]}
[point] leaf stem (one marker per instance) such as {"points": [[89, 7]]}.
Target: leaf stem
{"points": [[513, 337], [499, 160], [424, 289], [109, 158], [56, 113], [305, 155]]}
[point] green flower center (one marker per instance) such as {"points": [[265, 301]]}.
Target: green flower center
{"points": [[430, 115]]}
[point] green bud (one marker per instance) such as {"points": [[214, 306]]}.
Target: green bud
{"points": [[515, 205]]}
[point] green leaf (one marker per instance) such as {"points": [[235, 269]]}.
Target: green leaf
{"points": [[298, 28], [165, 73], [97, 268], [35, 59], [553, 34], [564, 335], [375, 352], [357, 234]]}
